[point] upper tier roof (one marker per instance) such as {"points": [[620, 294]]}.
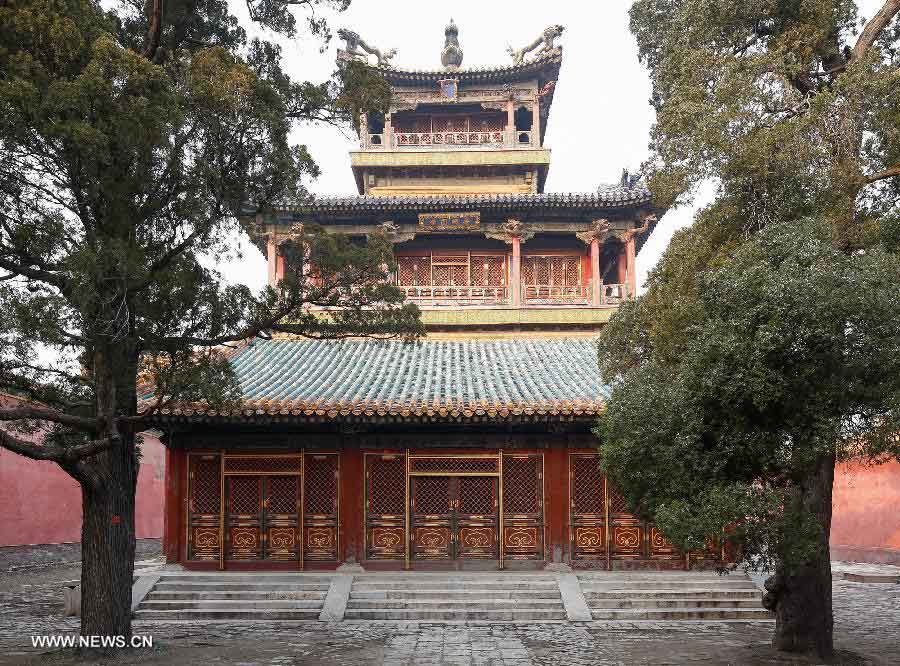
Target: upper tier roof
{"points": [[606, 197], [543, 67]]}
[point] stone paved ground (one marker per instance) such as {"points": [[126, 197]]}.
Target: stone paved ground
{"points": [[867, 631]]}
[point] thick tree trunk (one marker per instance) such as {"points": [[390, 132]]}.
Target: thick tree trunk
{"points": [[801, 596], [108, 492]]}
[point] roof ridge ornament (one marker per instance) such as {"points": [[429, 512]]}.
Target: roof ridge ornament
{"points": [[452, 54], [352, 45], [546, 42]]}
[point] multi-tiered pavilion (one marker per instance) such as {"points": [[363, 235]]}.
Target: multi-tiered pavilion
{"points": [[473, 447]]}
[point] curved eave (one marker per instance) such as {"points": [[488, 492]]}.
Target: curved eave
{"points": [[545, 67]]}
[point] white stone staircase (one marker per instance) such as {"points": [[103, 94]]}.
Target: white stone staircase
{"points": [[435, 597], [674, 595], [235, 596]]}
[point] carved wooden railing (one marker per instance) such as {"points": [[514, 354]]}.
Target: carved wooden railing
{"points": [[556, 294], [613, 294], [438, 295], [375, 140], [448, 138]]}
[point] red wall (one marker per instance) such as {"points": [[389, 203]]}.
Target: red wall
{"points": [[40, 503], [866, 522]]}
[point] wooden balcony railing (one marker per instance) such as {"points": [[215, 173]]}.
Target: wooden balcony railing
{"points": [[444, 295], [405, 139], [533, 294]]}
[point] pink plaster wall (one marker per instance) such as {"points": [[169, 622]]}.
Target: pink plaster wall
{"points": [[866, 521], [40, 503]]}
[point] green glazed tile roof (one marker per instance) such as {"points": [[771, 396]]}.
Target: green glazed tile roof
{"points": [[458, 379]]}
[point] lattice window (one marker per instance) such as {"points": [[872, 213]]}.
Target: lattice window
{"points": [[263, 464], [617, 503], [206, 485], [282, 494], [450, 270], [476, 495], [521, 484], [320, 491], [587, 485], [488, 271], [387, 477], [431, 494], [557, 271], [413, 271], [244, 494], [453, 465]]}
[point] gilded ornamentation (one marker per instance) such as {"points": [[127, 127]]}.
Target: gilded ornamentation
{"points": [[589, 537], [509, 230], [429, 538], [392, 233], [521, 537], [599, 230], [449, 221], [387, 539], [320, 537], [476, 537], [627, 538], [546, 42], [281, 538], [452, 54], [206, 539]]}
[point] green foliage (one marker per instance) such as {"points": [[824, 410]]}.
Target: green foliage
{"points": [[127, 159], [723, 402]]}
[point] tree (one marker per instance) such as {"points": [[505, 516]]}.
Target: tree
{"points": [[131, 142], [737, 376]]}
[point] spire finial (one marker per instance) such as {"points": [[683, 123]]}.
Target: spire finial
{"points": [[451, 55]]}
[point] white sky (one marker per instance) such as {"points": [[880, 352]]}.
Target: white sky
{"points": [[599, 122]]}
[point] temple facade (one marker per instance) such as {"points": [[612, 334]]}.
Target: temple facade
{"points": [[473, 447]]}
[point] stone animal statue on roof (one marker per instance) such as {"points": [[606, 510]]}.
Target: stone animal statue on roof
{"points": [[353, 43], [545, 41]]}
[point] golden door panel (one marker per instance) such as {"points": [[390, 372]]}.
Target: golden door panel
{"points": [[476, 542], [244, 543], [386, 542], [523, 506], [321, 543], [587, 500], [205, 543], [281, 543], [660, 546], [521, 542], [627, 539], [590, 541], [432, 542]]}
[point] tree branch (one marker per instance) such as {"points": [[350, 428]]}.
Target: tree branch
{"points": [[874, 27], [890, 172], [61, 454], [154, 32], [52, 415]]}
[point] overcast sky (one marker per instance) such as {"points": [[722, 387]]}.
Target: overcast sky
{"points": [[599, 122]]}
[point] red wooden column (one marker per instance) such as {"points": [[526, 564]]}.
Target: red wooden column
{"points": [[352, 509], [630, 277], [515, 273], [595, 272], [510, 123], [556, 502], [536, 121], [173, 512], [272, 259]]}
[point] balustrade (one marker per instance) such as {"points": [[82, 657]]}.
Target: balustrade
{"points": [[406, 139], [451, 295]]}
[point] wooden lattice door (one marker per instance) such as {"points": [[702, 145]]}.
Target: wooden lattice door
{"points": [[433, 500], [588, 507], [385, 507], [204, 499], [523, 507], [320, 521], [475, 517]]}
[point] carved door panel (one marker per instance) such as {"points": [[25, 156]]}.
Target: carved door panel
{"points": [[204, 498], [432, 500], [475, 517], [244, 517], [523, 507], [588, 507], [281, 517], [321, 511]]}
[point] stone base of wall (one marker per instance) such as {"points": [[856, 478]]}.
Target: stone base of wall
{"points": [[861, 554]]}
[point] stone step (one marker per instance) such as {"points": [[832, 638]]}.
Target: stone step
{"points": [[687, 602], [458, 585], [231, 614], [454, 615], [227, 604], [237, 587], [451, 594], [214, 595], [699, 593], [681, 614], [667, 585], [261, 576], [451, 604]]}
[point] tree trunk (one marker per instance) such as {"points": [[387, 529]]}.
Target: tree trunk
{"points": [[108, 492], [801, 596]]}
